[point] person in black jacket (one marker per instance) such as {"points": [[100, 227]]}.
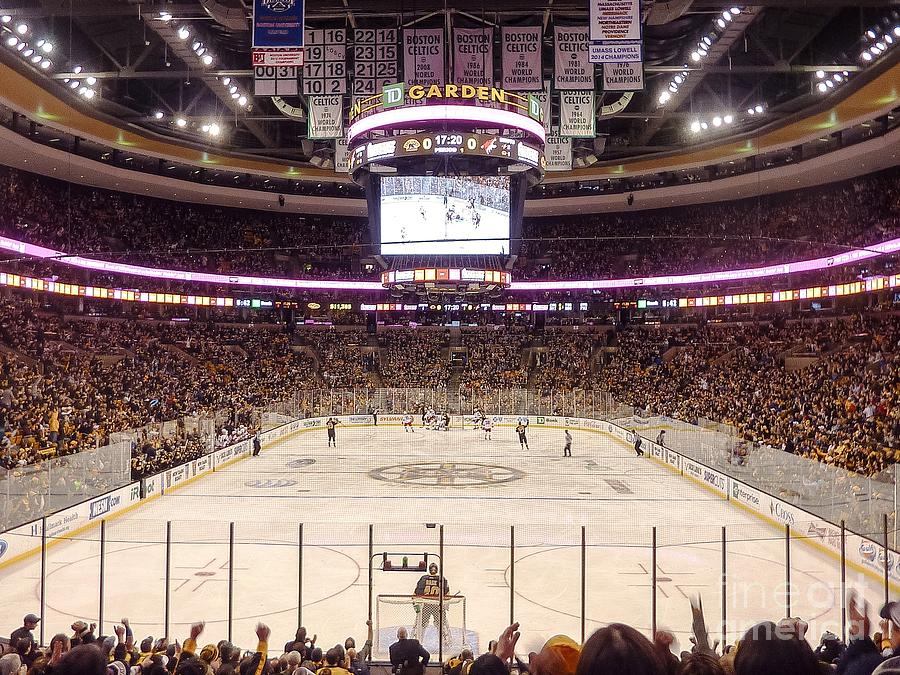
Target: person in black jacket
{"points": [[29, 623], [407, 655]]}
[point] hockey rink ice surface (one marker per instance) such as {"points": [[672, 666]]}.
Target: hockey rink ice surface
{"points": [[476, 488]]}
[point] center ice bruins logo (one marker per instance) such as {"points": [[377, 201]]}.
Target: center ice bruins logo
{"points": [[447, 474], [279, 5]]}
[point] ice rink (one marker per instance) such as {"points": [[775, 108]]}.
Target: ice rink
{"points": [[476, 489]]}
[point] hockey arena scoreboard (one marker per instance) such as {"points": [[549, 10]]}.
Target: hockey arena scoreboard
{"points": [[446, 169], [484, 129]]}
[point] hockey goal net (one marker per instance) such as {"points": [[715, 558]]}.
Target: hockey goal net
{"points": [[422, 618]]}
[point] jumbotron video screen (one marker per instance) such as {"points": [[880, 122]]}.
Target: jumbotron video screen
{"points": [[445, 215]]}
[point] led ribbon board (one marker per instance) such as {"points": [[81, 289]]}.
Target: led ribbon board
{"points": [[479, 106]]}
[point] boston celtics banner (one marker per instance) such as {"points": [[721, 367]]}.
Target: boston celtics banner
{"points": [[473, 56], [558, 151], [572, 66], [576, 114], [424, 59], [325, 117], [521, 60]]}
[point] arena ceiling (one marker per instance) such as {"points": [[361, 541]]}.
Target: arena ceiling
{"points": [[773, 56]]}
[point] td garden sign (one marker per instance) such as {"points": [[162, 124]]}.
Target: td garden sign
{"points": [[482, 106]]}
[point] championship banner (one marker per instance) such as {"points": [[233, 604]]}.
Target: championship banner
{"points": [[277, 33], [341, 156], [558, 151], [473, 56], [521, 58], [576, 114], [615, 20], [572, 68], [325, 117], [623, 76], [423, 56]]}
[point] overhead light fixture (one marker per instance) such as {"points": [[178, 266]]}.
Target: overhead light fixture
{"points": [[77, 69], [89, 94], [197, 44], [158, 115], [91, 80], [36, 59], [180, 122], [242, 101], [717, 121], [12, 41], [872, 34], [28, 52], [214, 129], [664, 98], [74, 84], [695, 126], [165, 16], [735, 10], [226, 81], [22, 28], [726, 15], [822, 87], [720, 22], [232, 89], [728, 119], [866, 56], [207, 59], [820, 74], [184, 32], [704, 126], [45, 64], [6, 18]]}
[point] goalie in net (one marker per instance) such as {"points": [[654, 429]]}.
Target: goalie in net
{"points": [[428, 606]]}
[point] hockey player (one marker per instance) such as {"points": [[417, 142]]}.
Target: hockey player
{"points": [[445, 422], [523, 440], [408, 423], [487, 425], [523, 420], [429, 589], [567, 451], [330, 425]]}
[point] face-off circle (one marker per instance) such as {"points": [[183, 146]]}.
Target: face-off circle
{"points": [[447, 474]]}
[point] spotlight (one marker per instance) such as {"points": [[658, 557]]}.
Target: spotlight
{"points": [[720, 23], [28, 52], [201, 51], [89, 94], [726, 15], [36, 59], [735, 10], [881, 46], [702, 51], [205, 128], [12, 40], [46, 64], [750, 111], [214, 129], [165, 16], [6, 18], [235, 96], [184, 32], [695, 126], [664, 98], [704, 126], [22, 28], [207, 60], [838, 78], [679, 79], [866, 56], [820, 74], [180, 122], [871, 33], [242, 101], [197, 44], [91, 80], [822, 87], [232, 89], [707, 41], [758, 108], [897, 31], [74, 84], [695, 56], [829, 84], [673, 87], [20, 46], [226, 81], [717, 121], [158, 115], [889, 39], [728, 119]]}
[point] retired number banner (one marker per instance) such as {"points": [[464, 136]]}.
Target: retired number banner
{"points": [[423, 56], [576, 114], [341, 156], [325, 117], [521, 50], [572, 66], [473, 56]]}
